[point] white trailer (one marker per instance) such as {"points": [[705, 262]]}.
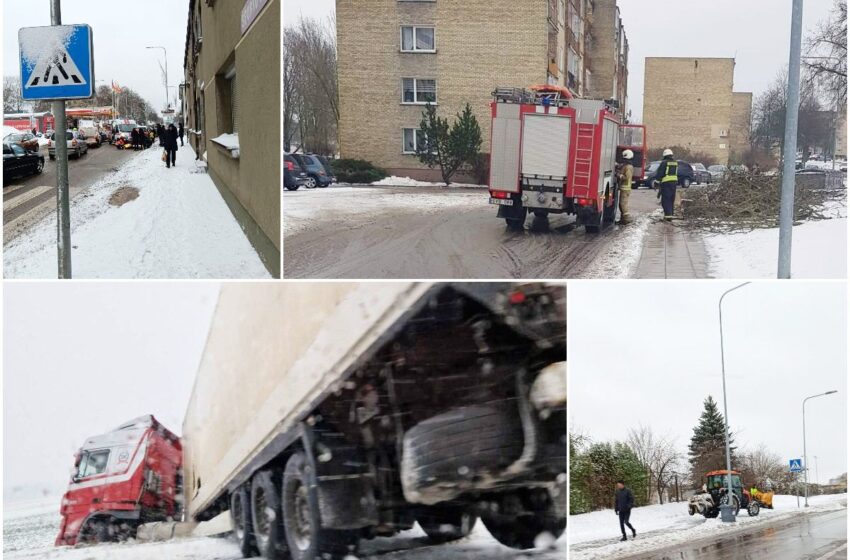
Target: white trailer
{"points": [[324, 413]]}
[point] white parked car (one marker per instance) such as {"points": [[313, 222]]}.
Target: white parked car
{"points": [[76, 144]]}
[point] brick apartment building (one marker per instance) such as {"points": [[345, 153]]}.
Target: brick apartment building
{"points": [[394, 56], [231, 84], [690, 102]]}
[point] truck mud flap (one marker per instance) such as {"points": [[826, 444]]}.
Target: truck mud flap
{"points": [[347, 502]]}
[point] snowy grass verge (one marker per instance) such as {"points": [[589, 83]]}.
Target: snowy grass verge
{"points": [[595, 536], [819, 250]]}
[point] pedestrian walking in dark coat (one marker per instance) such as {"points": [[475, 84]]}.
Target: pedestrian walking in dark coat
{"points": [[180, 132], [169, 143], [623, 503], [134, 138]]}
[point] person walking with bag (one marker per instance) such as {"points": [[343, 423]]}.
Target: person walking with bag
{"points": [[169, 143]]}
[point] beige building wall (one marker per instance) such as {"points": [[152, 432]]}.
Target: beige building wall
{"points": [[742, 109], [688, 102], [602, 51], [480, 44], [249, 183]]}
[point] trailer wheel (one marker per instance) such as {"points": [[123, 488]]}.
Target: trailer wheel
{"points": [[266, 516], [446, 523], [519, 519], [460, 446], [301, 518], [240, 515]]}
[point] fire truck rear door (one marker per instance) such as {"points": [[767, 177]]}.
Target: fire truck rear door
{"points": [[545, 145], [504, 166]]}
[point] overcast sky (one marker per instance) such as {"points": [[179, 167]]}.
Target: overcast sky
{"points": [[649, 353], [755, 32], [82, 358], [121, 32]]}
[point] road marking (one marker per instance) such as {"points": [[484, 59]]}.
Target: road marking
{"points": [[15, 201]]}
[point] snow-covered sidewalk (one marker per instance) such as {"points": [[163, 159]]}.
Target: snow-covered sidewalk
{"points": [[178, 227], [596, 535]]}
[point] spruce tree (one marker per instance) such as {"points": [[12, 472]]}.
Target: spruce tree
{"points": [[707, 450], [449, 148]]}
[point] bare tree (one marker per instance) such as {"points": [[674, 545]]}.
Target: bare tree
{"points": [[658, 454], [826, 55], [311, 92], [12, 99]]}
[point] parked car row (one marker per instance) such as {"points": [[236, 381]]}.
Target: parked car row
{"points": [[690, 173], [307, 170]]}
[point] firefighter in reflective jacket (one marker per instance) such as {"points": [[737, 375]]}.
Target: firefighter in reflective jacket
{"points": [[625, 176], [668, 175]]}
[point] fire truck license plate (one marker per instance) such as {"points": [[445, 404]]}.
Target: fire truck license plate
{"points": [[502, 201]]}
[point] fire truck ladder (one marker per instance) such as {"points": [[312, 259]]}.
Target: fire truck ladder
{"points": [[585, 137]]}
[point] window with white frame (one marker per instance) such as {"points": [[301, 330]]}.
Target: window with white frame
{"points": [[418, 91], [417, 39], [412, 138]]}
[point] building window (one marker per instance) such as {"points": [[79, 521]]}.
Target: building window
{"points": [[722, 146], [234, 105], [418, 39], [227, 103], [418, 91], [411, 139]]}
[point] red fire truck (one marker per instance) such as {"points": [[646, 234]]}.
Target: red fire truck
{"points": [[128, 476], [41, 122], [553, 154]]}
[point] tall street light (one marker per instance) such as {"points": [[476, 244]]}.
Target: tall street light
{"points": [[727, 511], [165, 54], [805, 460]]}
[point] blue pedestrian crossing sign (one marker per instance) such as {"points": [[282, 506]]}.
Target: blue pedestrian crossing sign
{"points": [[795, 465], [57, 62]]}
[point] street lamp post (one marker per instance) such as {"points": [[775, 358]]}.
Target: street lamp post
{"points": [[727, 512], [805, 459], [165, 54]]}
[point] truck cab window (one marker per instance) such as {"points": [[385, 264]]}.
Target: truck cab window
{"points": [[93, 463]]}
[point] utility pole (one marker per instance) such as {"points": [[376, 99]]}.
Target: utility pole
{"points": [[789, 155], [727, 511], [63, 207], [805, 459]]}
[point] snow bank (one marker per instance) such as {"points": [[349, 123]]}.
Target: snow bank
{"points": [[395, 181], [596, 535], [178, 227], [819, 250], [7, 130]]}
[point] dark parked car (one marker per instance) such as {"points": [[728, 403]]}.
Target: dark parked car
{"points": [[293, 175], [18, 162], [701, 174], [326, 163], [316, 174], [686, 174]]}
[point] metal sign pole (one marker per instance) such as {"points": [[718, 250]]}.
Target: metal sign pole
{"points": [[63, 209], [789, 154]]}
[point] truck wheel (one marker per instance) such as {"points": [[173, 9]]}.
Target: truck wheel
{"points": [[292, 187], [446, 523], [97, 530], [520, 518], [451, 450], [266, 517], [240, 515], [301, 518], [515, 224]]}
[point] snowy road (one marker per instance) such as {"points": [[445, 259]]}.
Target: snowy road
{"points": [[668, 532], [817, 536], [28, 535], [433, 232]]}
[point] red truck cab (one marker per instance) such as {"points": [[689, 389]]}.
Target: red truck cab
{"points": [[123, 478]]}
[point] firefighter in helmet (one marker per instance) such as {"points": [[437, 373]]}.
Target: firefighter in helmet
{"points": [[625, 175], [668, 176]]}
